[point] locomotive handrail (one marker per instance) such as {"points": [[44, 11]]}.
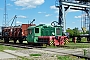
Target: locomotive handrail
{"points": [[54, 23]]}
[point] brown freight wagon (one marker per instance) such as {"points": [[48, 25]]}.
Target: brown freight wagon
{"points": [[24, 28], [5, 34], [15, 33]]}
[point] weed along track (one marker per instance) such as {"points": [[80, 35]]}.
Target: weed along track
{"points": [[24, 45]]}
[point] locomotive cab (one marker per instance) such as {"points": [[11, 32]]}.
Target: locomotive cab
{"points": [[33, 33]]}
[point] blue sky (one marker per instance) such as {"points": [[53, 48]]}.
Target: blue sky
{"points": [[43, 11]]}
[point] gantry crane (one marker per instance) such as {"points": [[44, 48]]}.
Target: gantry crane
{"points": [[65, 5]]}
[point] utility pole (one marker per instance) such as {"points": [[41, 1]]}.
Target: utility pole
{"points": [[5, 14]]}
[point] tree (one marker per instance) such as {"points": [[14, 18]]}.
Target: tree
{"points": [[70, 31], [73, 32], [76, 31], [87, 32]]}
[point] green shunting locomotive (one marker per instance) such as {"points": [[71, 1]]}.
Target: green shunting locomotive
{"points": [[45, 32]]}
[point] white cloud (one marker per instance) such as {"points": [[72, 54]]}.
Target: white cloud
{"points": [[23, 8], [53, 7], [16, 8], [57, 16], [9, 4], [25, 4], [41, 12], [73, 22], [48, 15], [56, 9], [1, 8], [18, 22], [21, 16], [83, 20], [82, 15], [13, 0], [47, 23], [77, 16]]}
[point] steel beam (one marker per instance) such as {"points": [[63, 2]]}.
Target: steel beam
{"points": [[75, 4]]}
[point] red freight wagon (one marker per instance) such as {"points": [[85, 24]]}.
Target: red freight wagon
{"points": [[15, 33]]}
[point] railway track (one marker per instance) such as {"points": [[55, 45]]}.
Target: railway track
{"points": [[27, 46], [18, 45], [86, 57]]}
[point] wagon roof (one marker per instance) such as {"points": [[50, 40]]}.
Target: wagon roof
{"points": [[43, 25], [31, 27]]}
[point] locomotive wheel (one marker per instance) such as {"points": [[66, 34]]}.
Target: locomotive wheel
{"points": [[39, 44], [20, 41], [31, 44], [4, 40], [15, 41], [7, 40]]}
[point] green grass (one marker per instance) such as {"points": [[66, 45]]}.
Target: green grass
{"points": [[73, 45], [64, 58], [82, 39], [35, 54], [24, 58], [68, 58], [77, 45], [51, 46], [7, 48]]}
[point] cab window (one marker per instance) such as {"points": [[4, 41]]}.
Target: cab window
{"points": [[36, 30], [57, 31], [29, 31]]}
